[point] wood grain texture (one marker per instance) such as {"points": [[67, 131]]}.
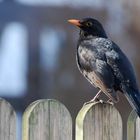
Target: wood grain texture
{"points": [[47, 120], [98, 121], [138, 128], [7, 121], [133, 126]]}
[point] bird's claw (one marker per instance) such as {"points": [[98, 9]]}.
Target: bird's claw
{"points": [[101, 101], [91, 101], [110, 102]]}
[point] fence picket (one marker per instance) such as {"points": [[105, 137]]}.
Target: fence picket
{"points": [[98, 121], [133, 126], [47, 120], [7, 121]]}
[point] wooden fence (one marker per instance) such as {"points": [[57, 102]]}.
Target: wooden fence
{"points": [[50, 120]]}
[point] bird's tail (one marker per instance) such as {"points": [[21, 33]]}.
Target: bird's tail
{"points": [[133, 97]]}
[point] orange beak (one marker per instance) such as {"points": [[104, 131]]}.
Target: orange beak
{"points": [[75, 22]]}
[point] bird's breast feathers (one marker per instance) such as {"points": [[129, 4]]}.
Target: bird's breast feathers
{"points": [[92, 49], [86, 55]]}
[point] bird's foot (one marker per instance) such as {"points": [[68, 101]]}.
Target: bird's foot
{"points": [[101, 101], [95, 99], [110, 102], [91, 101]]}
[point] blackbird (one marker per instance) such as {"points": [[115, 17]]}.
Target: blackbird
{"points": [[104, 64]]}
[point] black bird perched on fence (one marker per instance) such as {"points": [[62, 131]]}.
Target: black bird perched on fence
{"points": [[103, 63]]}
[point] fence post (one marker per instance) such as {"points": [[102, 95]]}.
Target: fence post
{"points": [[7, 121], [99, 121], [133, 127], [47, 120]]}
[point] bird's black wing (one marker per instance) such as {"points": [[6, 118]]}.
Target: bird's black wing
{"points": [[93, 64], [124, 73], [122, 70]]}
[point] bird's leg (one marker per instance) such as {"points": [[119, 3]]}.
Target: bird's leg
{"points": [[94, 99], [96, 96]]}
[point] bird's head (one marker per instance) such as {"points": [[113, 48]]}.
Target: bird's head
{"points": [[89, 26]]}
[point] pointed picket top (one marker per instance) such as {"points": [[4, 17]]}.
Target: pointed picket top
{"points": [[133, 126], [7, 121], [47, 120], [98, 121]]}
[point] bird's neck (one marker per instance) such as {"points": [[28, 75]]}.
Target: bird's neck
{"points": [[85, 36]]}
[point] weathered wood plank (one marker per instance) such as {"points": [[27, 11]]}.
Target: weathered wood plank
{"points": [[98, 121], [133, 126], [138, 128], [7, 121], [47, 120]]}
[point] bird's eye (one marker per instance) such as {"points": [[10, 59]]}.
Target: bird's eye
{"points": [[89, 24]]}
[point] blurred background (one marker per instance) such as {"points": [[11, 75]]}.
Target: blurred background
{"points": [[38, 48]]}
